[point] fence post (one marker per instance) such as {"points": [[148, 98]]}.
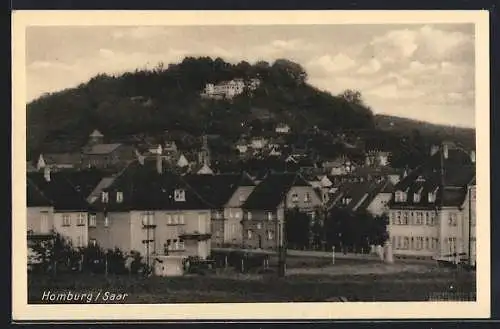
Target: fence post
{"points": [[333, 254]]}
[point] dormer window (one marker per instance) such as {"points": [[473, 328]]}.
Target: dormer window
{"points": [[295, 197], [417, 195], [105, 197], [420, 179], [180, 195], [346, 200], [269, 215], [307, 197], [119, 197], [400, 196], [432, 196]]}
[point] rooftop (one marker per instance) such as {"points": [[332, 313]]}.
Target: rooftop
{"points": [[144, 188], [60, 191], [102, 148], [272, 190]]}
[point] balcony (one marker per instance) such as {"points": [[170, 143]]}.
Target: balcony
{"points": [[194, 235]]}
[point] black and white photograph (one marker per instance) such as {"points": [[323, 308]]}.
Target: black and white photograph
{"points": [[322, 162]]}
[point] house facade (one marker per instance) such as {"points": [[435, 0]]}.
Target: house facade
{"points": [[98, 154], [225, 193], [152, 212], [429, 210], [265, 208], [40, 211], [68, 215]]}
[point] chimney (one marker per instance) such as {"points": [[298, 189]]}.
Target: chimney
{"points": [[434, 149], [473, 156], [46, 174], [445, 151], [159, 164]]}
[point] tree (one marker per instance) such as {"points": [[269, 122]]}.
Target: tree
{"points": [[352, 96], [297, 226], [292, 70]]}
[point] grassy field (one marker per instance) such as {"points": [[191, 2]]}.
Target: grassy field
{"points": [[306, 281]]}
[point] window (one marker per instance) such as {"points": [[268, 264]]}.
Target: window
{"points": [[259, 226], [269, 215], [106, 221], [81, 219], [452, 219], [119, 197], [249, 215], [399, 196], [148, 218], [169, 219], [399, 243], [412, 243], [181, 219], [432, 196], [419, 243], [393, 241], [241, 197], [393, 218], [307, 197], [93, 242], [398, 218], [92, 220], [295, 198], [66, 220], [237, 214], [433, 218], [270, 235], [180, 195], [406, 242], [105, 197], [416, 197], [426, 244], [405, 218], [249, 234], [420, 216]]}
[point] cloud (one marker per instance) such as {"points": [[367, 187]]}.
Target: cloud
{"points": [[338, 63], [393, 91], [439, 45], [49, 65], [287, 44], [373, 66], [106, 53], [426, 44], [394, 45]]}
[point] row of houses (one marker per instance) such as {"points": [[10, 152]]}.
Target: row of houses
{"points": [[150, 209]]}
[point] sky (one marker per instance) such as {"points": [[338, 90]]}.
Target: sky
{"points": [[424, 72]]}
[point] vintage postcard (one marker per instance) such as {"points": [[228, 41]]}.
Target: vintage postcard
{"points": [[250, 165]]}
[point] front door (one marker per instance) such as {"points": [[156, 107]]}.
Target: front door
{"points": [[44, 223]]}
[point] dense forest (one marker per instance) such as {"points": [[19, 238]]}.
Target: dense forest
{"points": [[167, 98]]}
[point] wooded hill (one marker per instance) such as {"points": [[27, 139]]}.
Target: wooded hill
{"points": [[167, 98]]}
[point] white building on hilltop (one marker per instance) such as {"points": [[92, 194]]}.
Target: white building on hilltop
{"points": [[229, 89]]}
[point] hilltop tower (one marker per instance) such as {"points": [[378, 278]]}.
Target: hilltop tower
{"points": [[96, 137]]}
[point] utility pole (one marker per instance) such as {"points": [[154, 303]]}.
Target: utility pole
{"points": [[470, 227], [282, 239]]}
